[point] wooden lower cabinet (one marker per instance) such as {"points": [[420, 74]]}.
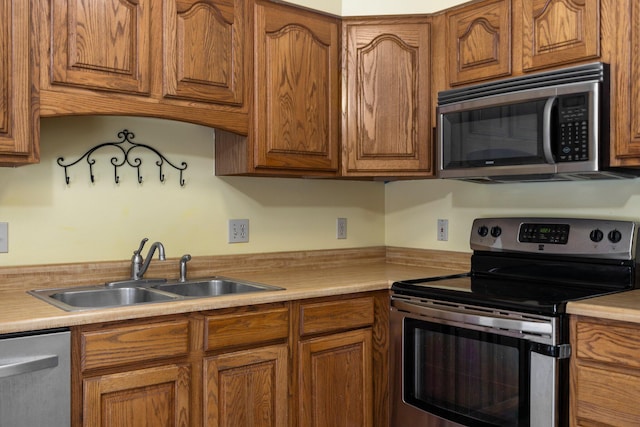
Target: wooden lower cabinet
{"points": [[157, 396], [336, 380], [341, 356], [247, 388], [605, 373], [319, 362]]}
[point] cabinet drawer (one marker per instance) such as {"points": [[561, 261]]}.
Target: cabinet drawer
{"points": [[606, 397], [246, 327], [331, 316], [609, 343], [136, 343]]}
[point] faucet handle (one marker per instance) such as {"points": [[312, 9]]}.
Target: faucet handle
{"points": [[142, 243]]}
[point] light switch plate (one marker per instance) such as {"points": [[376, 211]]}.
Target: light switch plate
{"points": [[4, 237]]}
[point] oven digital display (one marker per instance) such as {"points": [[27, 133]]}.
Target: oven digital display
{"points": [[544, 233]]}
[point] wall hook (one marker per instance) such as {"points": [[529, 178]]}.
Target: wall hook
{"points": [[126, 157]]}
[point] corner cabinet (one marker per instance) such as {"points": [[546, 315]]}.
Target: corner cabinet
{"points": [[19, 120], [185, 60], [605, 372], [295, 113], [386, 86]]}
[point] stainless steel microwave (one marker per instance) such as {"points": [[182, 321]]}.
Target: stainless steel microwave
{"points": [[539, 127]]}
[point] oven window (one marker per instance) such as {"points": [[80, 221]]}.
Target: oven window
{"points": [[494, 136], [471, 377]]}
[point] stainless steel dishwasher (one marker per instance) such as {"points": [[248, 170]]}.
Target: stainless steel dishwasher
{"points": [[35, 383]]}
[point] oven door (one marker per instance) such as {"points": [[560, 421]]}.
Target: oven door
{"points": [[454, 366]]}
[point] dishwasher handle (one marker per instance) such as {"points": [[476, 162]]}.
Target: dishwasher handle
{"points": [[27, 365]]}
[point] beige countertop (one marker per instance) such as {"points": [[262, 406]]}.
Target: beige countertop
{"points": [[20, 311], [624, 306]]}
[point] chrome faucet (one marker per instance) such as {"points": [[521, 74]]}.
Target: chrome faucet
{"points": [[139, 265]]}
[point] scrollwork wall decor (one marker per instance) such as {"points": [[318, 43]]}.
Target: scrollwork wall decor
{"points": [[127, 158]]}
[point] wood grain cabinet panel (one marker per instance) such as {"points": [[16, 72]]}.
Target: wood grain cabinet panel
{"points": [[558, 32], [102, 45], [624, 26], [295, 113], [247, 388], [479, 42], [19, 121], [386, 85], [330, 316], [144, 342], [605, 372], [157, 396], [297, 92], [204, 50], [336, 382]]}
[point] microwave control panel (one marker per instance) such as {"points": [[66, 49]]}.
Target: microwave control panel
{"points": [[573, 128]]}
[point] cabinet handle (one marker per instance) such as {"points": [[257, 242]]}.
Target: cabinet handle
{"points": [[27, 366]]}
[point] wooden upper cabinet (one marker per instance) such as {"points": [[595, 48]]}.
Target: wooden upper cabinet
{"points": [[479, 42], [19, 124], [297, 104], [386, 93], [101, 44], [204, 50], [625, 82], [556, 32]]}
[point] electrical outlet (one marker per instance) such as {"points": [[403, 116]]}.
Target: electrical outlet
{"points": [[443, 230], [4, 237], [238, 230], [341, 228]]}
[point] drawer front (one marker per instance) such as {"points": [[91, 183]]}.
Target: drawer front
{"points": [[609, 343], [136, 343], [246, 328], [321, 317], [606, 397]]}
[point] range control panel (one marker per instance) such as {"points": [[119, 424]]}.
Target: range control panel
{"points": [[563, 236]]}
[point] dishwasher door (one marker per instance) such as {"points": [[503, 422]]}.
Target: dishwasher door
{"points": [[35, 382]]}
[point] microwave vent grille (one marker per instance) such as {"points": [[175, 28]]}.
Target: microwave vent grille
{"points": [[594, 72]]}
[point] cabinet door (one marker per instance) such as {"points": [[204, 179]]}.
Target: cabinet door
{"points": [[557, 32], [247, 388], [386, 128], [625, 85], [479, 42], [101, 44], [336, 380], [156, 396], [19, 128], [204, 50], [297, 104]]}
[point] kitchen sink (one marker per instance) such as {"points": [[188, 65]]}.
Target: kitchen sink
{"points": [[125, 293], [213, 287]]}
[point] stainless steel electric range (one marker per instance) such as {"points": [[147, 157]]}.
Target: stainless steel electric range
{"points": [[491, 347]]}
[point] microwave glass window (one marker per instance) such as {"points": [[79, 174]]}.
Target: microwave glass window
{"points": [[467, 373], [503, 135]]}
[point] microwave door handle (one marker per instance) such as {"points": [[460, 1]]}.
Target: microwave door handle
{"points": [[546, 130]]}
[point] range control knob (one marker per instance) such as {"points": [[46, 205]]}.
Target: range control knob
{"points": [[483, 231], [496, 231], [596, 235], [615, 236]]}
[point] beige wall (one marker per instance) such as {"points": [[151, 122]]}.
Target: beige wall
{"points": [[413, 208], [50, 222]]}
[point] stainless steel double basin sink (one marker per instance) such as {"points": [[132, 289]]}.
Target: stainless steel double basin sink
{"points": [[134, 292]]}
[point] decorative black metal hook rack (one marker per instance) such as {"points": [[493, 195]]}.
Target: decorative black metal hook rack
{"points": [[136, 162]]}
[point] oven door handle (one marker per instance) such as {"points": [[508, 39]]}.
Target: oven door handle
{"points": [[523, 326]]}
